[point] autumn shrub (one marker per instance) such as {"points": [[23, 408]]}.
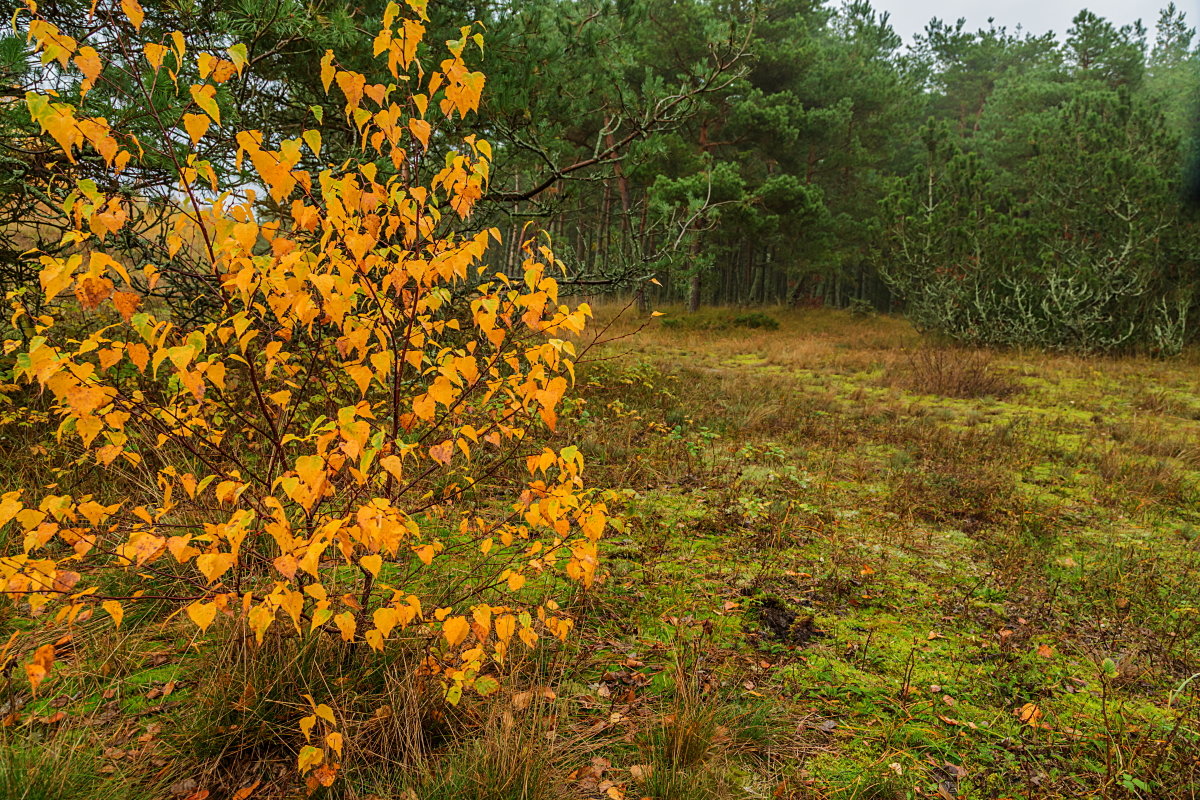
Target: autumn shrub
{"points": [[335, 453]]}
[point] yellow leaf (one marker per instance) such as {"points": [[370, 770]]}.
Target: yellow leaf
{"points": [[239, 55], [506, 626], [205, 97], [327, 69], [214, 565], [326, 713], [393, 465], [154, 54], [115, 611], [455, 630], [420, 129], [334, 740], [196, 126], [385, 619], [309, 757], [346, 624], [352, 85], [10, 506], [180, 44], [133, 10], [313, 140], [202, 614], [372, 563], [260, 619], [306, 726]]}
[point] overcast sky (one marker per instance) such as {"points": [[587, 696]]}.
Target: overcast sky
{"points": [[1036, 16]]}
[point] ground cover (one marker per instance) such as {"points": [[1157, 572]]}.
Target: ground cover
{"points": [[855, 564]]}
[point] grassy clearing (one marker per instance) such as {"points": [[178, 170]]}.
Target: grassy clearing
{"points": [[857, 565]]}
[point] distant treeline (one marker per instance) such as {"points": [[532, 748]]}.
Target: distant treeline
{"points": [[999, 186]]}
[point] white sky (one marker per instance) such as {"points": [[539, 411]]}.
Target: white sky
{"points": [[1036, 16]]}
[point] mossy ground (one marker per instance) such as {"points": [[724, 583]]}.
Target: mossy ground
{"points": [[856, 565], [1003, 587]]}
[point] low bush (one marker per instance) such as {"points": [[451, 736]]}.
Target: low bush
{"points": [[756, 319]]}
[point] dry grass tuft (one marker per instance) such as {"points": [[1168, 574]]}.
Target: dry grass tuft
{"points": [[951, 372]]}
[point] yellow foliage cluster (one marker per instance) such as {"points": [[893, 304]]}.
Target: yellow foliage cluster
{"points": [[344, 423]]}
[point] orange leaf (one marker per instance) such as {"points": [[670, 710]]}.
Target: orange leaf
{"points": [[92, 291], [88, 61], [245, 791], [441, 453], [1029, 713], [126, 304], [39, 668]]}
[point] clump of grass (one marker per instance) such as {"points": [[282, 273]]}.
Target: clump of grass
{"points": [[680, 749], [963, 479], [515, 754], [951, 372], [1163, 402], [55, 769], [1137, 481]]}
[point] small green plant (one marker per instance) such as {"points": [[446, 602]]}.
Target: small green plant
{"points": [[758, 320], [696, 443], [861, 309]]}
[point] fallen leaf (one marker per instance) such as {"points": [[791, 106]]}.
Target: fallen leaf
{"points": [[1029, 713], [639, 772]]}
